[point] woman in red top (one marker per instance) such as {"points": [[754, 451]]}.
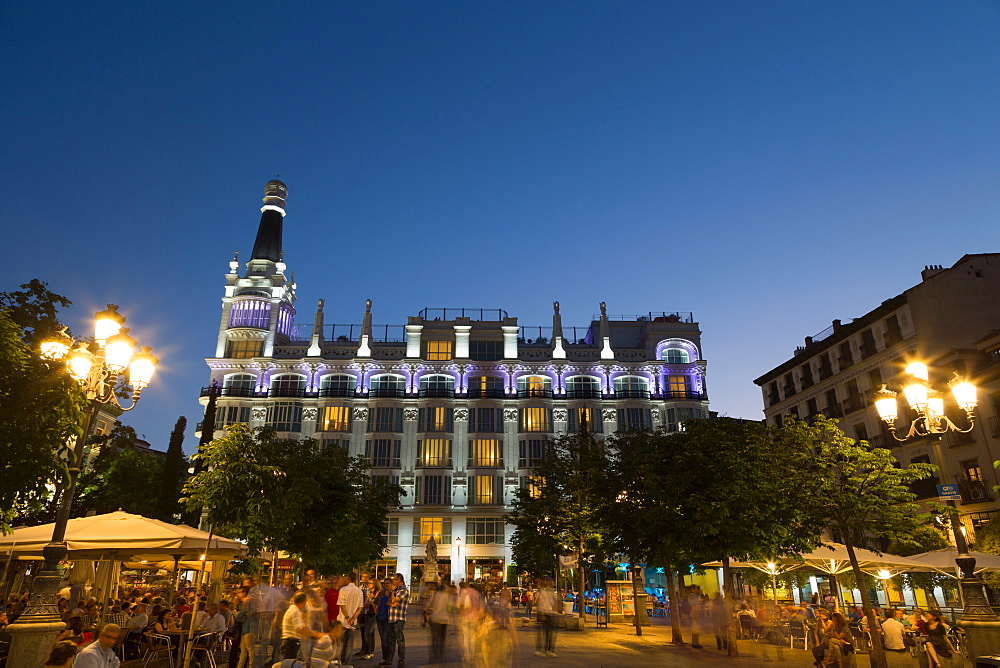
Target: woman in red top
{"points": [[330, 596]]}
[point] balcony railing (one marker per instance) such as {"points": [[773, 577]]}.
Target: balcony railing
{"points": [[433, 463], [684, 394], [852, 404], [973, 491], [478, 393], [807, 381], [631, 393], [435, 392], [337, 392], [586, 393], [298, 392], [485, 463], [845, 362], [833, 411], [825, 372], [534, 393], [386, 392], [773, 399], [230, 391], [789, 390]]}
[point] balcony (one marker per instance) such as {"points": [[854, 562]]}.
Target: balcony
{"points": [[587, 393], [337, 392], [773, 399], [833, 411], [387, 393], [994, 424], [926, 488], [878, 440], [627, 393], [973, 491], [683, 394], [789, 390], [533, 393], [477, 393], [845, 362], [485, 463], [956, 438], [825, 372], [296, 392], [867, 350], [436, 393], [806, 381], [229, 391]]}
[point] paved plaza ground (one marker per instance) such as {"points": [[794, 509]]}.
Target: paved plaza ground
{"points": [[614, 647]]}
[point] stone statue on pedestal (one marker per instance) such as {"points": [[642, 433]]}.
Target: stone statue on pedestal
{"points": [[431, 561]]}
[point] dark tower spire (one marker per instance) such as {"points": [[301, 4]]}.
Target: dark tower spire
{"points": [[267, 246]]}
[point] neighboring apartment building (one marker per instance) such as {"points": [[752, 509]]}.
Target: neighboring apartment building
{"points": [[455, 405], [951, 321]]}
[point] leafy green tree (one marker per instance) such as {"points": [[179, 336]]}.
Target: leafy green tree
{"points": [[174, 474], [41, 408], [119, 477], [857, 490], [742, 495], [565, 502], [34, 309], [988, 541], [292, 495]]}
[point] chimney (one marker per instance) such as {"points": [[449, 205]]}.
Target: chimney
{"points": [[930, 270], [836, 325], [809, 341]]}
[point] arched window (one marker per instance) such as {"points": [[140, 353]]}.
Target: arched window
{"points": [[288, 385], [338, 385], [486, 387], [437, 385], [583, 387], [676, 356], [534, 386], [387, 385], [239, 385], [631, 387]]}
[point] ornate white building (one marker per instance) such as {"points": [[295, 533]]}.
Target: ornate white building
{"points": [[455, 405]]}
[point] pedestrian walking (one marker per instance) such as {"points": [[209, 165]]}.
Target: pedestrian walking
{"points": [[546, 602], [350, 601], [399, 599], [370, 591]]}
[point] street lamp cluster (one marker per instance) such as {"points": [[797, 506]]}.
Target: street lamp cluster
{"points": [[927, 403], [101, 365]]}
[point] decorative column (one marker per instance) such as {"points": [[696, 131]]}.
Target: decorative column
{"points": [[510, 342], [462, 333]]}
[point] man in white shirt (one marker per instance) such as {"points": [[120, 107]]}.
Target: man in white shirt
{"points": [[294, 628], [139, 620], [349, 600], [99, 654], [213, 621], [893, 633]]}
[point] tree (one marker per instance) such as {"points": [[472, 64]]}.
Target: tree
{"points": [[860, 492], [564, 501], [119, 476], [988, 541], [41, 408], [174, 474], [292, 495], [741, 495], [34, 309]]}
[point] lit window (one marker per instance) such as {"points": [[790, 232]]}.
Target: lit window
{"points": [[533, 484], [437, 385], [485, 452], [239, 385], [585, 417], [338, 385], [425, 527], [335, 418], [485, 489], [486, 386], [632, 387], [536, 419], [244, 349], [288, 385], [101, 428], [678, 386], [484, 530], [433, 490], [255, 313], [675, 356], [439, 351], [534, 386], [387, 385], [436, 418], [583, 387], [434, 452]]}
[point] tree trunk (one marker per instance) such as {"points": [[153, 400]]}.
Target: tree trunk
{"points": [[877, 656], [727, 590], [581, 582], [675, 603], [635, 570]]}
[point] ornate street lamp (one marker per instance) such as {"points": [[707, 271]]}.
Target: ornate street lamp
{"points": [[930, 420], [100, 366]]}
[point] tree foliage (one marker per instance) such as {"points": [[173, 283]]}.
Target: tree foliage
{"points": [[34, 309], [292, 495], [988, 541], [41, 408], [562, 508], [119, 476], [174, 474]]}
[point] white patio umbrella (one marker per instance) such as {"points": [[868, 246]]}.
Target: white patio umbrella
{"points": [[943, 561]]}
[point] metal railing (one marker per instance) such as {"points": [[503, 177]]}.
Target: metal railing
{"points": [[652, 316], [433, 392], [478, 393], [534, 393], [488, 314], [626, 393], [297, 392], [337, 392], [386, 393], [586, 393]]}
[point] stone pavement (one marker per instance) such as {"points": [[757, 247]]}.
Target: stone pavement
{"points": [[613, 647]]}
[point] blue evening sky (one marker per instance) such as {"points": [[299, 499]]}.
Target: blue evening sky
{"points": [[766, 165]]}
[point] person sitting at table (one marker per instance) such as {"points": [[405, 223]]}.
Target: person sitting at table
{"points": [[838, 641], [164, 622], [62, 655], [893, 633], [938, 643], [916, 619], [855, 614], [74, 629], [100, 654]]}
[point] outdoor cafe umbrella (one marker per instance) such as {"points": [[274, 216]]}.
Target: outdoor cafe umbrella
{"points": [[943, 561], [134, 537]]}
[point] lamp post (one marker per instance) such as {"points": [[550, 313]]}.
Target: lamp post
{"points": [[101, 366], [772, 570], [981, 624]]}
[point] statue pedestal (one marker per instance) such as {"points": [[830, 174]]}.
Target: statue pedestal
{"points": [[32, 636]]}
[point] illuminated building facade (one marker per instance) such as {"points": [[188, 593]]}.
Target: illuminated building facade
{"points": [[455, 405]]}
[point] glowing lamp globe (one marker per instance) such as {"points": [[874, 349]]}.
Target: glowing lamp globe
{"points": [[140, 371], [964, 393], [79, 364], [918, 370], [108, 323], [118, 351], [54, 349], [916, 396], [885, 404]]}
